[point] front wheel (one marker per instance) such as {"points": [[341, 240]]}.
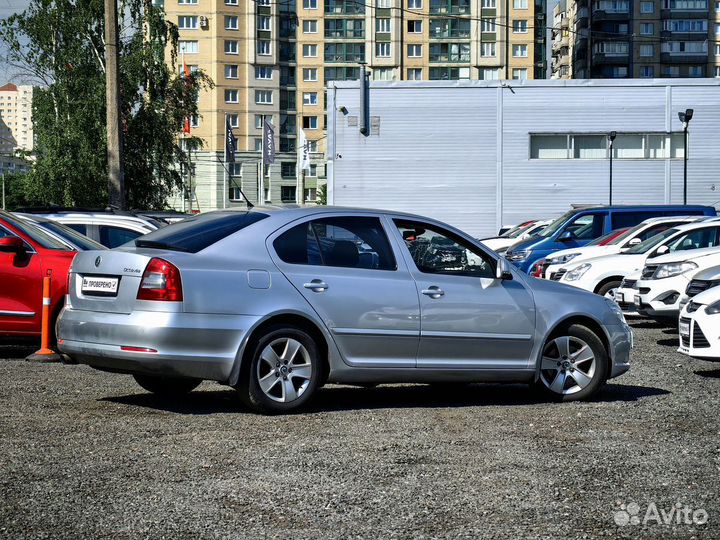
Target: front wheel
{"points": [[167, 386], [285, 370], [573, 364], [608, 290]]}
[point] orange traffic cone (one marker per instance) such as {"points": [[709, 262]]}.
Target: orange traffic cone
{"points": [[45, 354]]}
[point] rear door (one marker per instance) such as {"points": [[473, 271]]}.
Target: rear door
{"points": [[346, 269], [20, 290]]}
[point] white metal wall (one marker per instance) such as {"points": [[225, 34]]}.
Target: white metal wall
{"points": [[460, 151]]}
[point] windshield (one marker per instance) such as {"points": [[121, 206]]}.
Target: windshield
{"points": [[517, 230], [81, 241], [198, 232], [609, 238], [557, 224], [647, 245], [35, 232]]}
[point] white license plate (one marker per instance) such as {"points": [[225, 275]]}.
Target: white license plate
{"points": [[638, 302], [99, 285], [619, 298], [685, 329]]}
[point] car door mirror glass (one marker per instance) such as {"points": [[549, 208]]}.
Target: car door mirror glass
{"points": [[662, 250], [566, 236], [502, 270]]}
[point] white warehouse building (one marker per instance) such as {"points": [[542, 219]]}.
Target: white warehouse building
{"points": [[482, 154]]}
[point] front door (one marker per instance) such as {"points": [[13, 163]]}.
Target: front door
{"points": [[346, 270], [469, 319], [20, 291]]}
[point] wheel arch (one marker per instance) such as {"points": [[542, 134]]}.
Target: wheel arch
{"points": [[606, 280], [292, 319]]}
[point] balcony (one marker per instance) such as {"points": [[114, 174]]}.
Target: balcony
{"points": [[683, 58], [450, 7], [344, 7], [613, 59], [599, 15]]}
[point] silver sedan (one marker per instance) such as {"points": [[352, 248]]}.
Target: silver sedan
{"points": [[278, 302]]}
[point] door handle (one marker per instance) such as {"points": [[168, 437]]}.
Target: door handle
{"points": [[316, 285], [433, 291]]}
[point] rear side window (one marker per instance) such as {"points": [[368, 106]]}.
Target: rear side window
{"points": [[115, 236], [198, 232], [78, 227], [621, 220], [347, 242]]}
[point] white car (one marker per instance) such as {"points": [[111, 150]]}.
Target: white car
{"points": [[631, 237], [501, 243], [699, 326], [624, 295], [665, 279], [603, 275], [701, 282]]}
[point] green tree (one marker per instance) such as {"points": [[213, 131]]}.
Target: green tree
{"points": [[60, 44]]}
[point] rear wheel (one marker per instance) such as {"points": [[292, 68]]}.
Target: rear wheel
{"points": [[284, 372], [573, 364], [608, 289], [167, 386]]}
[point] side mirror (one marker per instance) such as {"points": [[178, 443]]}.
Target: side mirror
{"points": [[634, 242], [12, 244], [566, 236], [662, 250], [502, 270]]}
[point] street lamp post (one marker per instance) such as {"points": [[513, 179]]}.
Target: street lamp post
{"points": [[685, 118], [611, 137]]}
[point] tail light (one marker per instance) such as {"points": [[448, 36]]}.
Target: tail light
{"points": [[160, 281]]}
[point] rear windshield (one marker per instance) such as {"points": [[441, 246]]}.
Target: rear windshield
{"points": [[198, 232]]}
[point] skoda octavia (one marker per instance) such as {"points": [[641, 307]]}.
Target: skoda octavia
{"points": [[277, 302]]}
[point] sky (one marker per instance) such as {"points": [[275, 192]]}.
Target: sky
{"points": [[7, 8]]}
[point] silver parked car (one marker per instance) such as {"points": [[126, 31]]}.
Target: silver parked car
{"points": [[277, 302]]}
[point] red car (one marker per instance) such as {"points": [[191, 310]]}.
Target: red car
{"points": [[27, 254]]}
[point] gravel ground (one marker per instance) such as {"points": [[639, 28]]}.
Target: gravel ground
{"points": [[85, 454]]}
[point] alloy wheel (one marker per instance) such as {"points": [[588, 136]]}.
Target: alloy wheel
{"points": [[284, 370], [568, 365]]}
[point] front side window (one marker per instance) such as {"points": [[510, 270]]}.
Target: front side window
{"points": [[587, 227], [697, 239], [435, 251], [347, 242]]}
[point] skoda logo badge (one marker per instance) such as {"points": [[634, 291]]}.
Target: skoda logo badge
{"points": [[98, 261]]}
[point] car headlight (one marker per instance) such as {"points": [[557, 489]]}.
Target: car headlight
{"points": [[577, 273], [563, 258], [517, 256], [673, 269], [713, 309]]}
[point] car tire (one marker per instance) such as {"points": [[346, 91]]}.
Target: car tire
{"points": [[167, 386], [573, 365], [283, 373], [607, 287]]}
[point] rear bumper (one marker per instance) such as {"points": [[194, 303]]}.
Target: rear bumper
{"points": [[193, 345], [621, 343]]}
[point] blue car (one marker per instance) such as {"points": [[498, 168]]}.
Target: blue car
{"points": [[580, 226]]}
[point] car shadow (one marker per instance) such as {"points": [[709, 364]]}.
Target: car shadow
{"points": [[648, 323], [344, 398], [17, 349], [669, 342], [713, 373]]}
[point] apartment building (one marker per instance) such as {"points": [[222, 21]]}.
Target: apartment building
{"points": [[16, 129], [274, 59], [644, 39]]}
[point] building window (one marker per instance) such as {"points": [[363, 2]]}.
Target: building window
{"points": [[383, 4], [487, 25], [310, 74], [263, 73], [647, 7], [231, 46], [414, 4], [344, 28], [231, 96], [415, 27], [611, 48], [595, 146], [686, 4], [520, 51], [685, 25], [287, 193], [647, 29], [647, 72], [671, 71], [520, 26], [414, 51], [263, 47], [717, 71], [231, 22], [258, 145], [414, 74], [696, 71], [234, 120], [186, 2], [646, 50], [382, 74], [520, 4], [263, 97], [235, 193], [382, 26], [619, 72], [231, 71], [309, 50], [449, 52], [310, 194], [519, 74], [448, 73], [287, 169], [310, 98], [188, 47], [488, 49], [489, 4], [684, 47], [231, 2], [490, 74], [312, 147], [717, 49], [263, 22], [310, 4], [260, 120], [382, 50], [344, 52], [187, 22], [310, 122], [310, 26]]}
